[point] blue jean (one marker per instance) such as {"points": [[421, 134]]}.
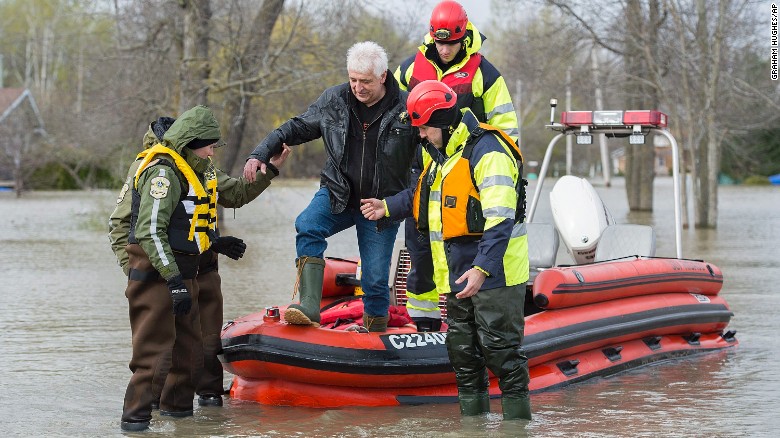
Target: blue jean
{"points": [[316, 223]]}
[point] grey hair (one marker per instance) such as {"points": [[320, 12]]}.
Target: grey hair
{"points": [[367, 57]]}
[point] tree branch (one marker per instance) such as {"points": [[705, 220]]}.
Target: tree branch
{"points": [[564, 6]]}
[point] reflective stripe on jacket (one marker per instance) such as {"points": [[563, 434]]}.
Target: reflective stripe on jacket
{"points": [[493, 173]]}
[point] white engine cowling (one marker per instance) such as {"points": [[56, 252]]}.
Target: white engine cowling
{"points": [[580, 217]]}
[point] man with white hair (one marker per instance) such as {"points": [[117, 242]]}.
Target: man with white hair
{"points": [[369, 145]]}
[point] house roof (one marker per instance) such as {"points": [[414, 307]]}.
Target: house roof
{"points": [[8, 96], [11, 98]]}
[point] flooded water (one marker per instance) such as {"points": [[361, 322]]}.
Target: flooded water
{"points": [[65, 341]]}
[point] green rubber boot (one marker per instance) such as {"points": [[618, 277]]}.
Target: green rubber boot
{"points": [[474, 404], [310, 277], [516, 408]]}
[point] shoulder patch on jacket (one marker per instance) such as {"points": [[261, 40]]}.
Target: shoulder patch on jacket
{"points": [[122, 194], [160, 186]]}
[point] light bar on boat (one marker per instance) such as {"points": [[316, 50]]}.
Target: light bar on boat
{"points": [[635, 120], [595, 119]]}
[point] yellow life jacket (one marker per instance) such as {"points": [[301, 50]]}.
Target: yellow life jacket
{"points": [[200, 204]]}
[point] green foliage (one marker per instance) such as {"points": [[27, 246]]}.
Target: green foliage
{"points": [[754, 153], [43, 39], [756, 180], [54, 176], [51, 176]]}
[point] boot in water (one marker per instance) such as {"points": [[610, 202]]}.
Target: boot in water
{"points": [[474, 403], [516, 408]]}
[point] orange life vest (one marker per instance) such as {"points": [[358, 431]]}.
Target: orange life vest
{"points": [[461, 209]]}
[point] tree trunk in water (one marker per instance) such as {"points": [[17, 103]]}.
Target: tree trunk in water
{"points": [[235, 111], [18, 180], [237, 100], [711, 46], [687, 158], [640, 175], [640, 159], [194, 69]]}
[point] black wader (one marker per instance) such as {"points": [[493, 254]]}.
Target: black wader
{"points": [[486, 332], [167, 350]]}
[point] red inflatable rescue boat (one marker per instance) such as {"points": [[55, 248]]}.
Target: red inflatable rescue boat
{"points": [[624, 311], [280, 364]]}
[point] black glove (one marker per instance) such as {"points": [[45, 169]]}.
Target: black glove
{"points": [[182, 300], [232, 247]]}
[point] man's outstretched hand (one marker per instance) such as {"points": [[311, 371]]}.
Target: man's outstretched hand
{"points": [[372, 209], [253, 164]]}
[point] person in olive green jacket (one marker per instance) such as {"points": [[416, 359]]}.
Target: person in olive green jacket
{"points": [[119, 220], [173, 223], [233, 192]]}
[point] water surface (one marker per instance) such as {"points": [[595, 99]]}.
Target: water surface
{"points": [[66, 336]]}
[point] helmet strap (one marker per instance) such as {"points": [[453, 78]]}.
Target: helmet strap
{"points": [[446, 132]]}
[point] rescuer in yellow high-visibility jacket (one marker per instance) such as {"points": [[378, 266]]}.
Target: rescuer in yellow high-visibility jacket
{"points": [[450, 54], [470, 199]]}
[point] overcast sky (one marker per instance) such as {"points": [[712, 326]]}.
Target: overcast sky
{"points": [[478, 11]]}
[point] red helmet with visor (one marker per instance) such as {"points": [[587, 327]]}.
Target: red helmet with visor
{"points": [[428, 97], [448, 21]]}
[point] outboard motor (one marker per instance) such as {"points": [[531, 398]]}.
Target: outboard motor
{"points": [[580, 217]]}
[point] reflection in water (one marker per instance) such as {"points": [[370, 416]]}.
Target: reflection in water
{"points": [[66, 340]]}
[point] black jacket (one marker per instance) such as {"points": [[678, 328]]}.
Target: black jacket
{"points": [[328, 118]]}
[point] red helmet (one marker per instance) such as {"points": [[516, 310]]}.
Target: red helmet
{"points": [[448, 21], [427, 97]]}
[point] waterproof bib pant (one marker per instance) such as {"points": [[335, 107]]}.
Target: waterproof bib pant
{"points": [[316, 223], [486, 332], [167, 350], [210, 306]]}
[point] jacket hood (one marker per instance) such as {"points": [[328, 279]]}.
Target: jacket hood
{"points": [[156, 131], [198, 122], [150, 139], [474, 40]]}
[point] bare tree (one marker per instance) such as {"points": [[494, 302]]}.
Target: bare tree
{"points": [[533, 51], [248, 63], [641, 59], [276, 61], [709, 38], [680, 56], [194, 68], [23, 137]]}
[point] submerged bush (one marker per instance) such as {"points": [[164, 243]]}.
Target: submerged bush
{"points": [[756, 180]]}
